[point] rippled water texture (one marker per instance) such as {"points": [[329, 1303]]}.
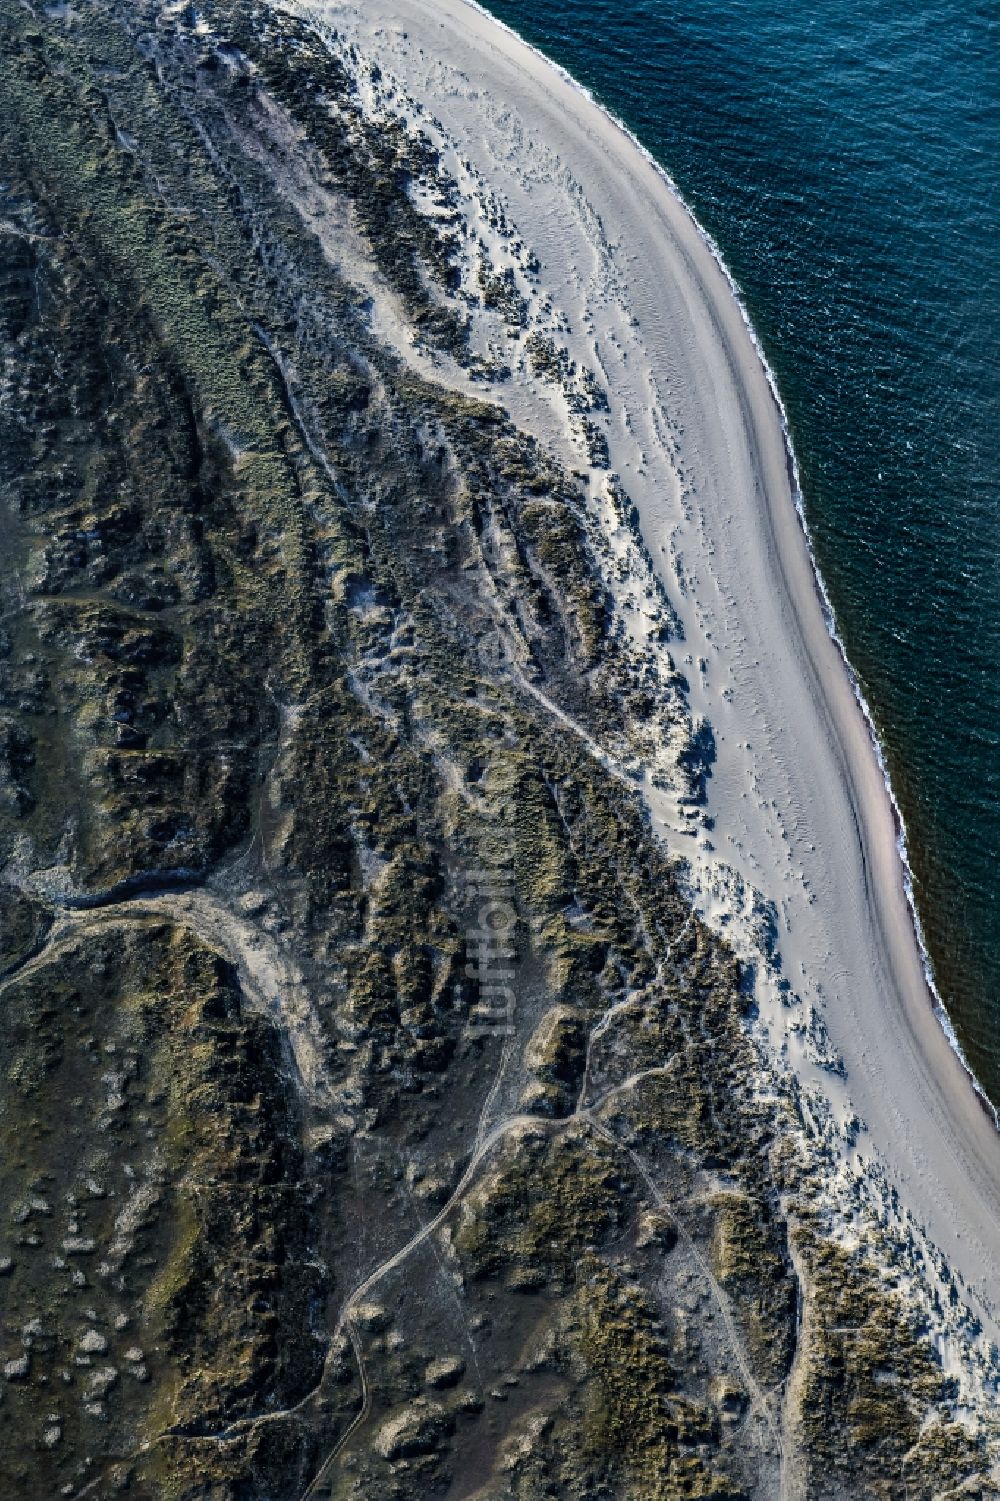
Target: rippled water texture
{"points": [[846, 157]]}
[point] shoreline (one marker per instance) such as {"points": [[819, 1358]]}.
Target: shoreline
{"points": [[798, 797], [937, 1002]]}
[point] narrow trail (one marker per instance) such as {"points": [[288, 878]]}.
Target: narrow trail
{"points": [[603, 757], [760, 1400], [271, 986], [634, 998], [391, 1263]]}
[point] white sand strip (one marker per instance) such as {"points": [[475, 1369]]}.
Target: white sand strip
{"points": [[800, 807]]}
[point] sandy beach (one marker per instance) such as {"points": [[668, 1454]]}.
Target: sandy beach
{"points": [[798, 821]]}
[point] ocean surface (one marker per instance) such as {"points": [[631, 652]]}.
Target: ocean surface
{"points": [[845, 156]]}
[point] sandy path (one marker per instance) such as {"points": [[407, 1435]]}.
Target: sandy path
{"points": [[799, 804]]}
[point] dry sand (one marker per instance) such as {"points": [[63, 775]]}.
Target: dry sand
{"points": [[801, 813]]}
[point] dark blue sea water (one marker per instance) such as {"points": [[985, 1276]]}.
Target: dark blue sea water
{"points": [[845, 155]]}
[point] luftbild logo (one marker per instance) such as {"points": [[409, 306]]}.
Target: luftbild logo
{"points": [[490, 943]]}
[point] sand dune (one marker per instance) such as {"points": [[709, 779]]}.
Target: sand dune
{"points": [[798, 815]]}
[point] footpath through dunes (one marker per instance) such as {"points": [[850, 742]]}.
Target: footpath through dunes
{"points": [[800, 809]]}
